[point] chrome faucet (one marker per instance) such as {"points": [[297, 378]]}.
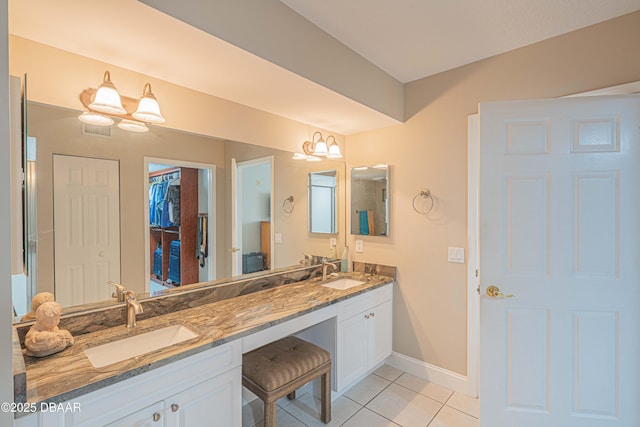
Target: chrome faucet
{"points": [[119, 293], [133, 308], [325, 266]]}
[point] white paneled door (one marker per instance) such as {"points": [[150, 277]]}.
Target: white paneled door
{"points": [[86, 199], [560, 231]]}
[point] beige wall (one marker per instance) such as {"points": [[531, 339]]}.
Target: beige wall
{"points": [[430, 150]]}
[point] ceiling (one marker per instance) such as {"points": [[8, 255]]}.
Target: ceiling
{"points": [[412, 39], [408, 39]]}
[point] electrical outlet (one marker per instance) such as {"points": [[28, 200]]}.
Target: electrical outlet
{"points": [[359, 246], [332, 242], [278, 237]]}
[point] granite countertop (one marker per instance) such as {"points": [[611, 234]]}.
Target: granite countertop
{"points": [[68, 374]]}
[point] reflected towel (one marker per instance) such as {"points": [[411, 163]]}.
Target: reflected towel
{"points": [[371, 231], [364, 222]]}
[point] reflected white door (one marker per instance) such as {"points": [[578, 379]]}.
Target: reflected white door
{"points": [[559, 229], [86, 200], [236, 220]]}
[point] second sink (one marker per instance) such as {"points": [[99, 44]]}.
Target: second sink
{"points": [[342, 284], [117, 351]]}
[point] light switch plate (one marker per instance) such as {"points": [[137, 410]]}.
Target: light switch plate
{"points": [[359, 246], [332, 242], [278, 237], [456, 255]]}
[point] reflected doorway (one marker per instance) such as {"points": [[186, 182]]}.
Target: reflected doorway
{"points": [[180, 223], [252, 215]]}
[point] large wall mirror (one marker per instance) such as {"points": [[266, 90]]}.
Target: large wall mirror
{"points": [[121, 234], [323, 201], [370, 200]]}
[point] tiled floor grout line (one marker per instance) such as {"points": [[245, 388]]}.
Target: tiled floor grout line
{"points": [[435, 416]]}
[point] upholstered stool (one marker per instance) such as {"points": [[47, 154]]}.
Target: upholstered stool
{"points": [[281, 367]]}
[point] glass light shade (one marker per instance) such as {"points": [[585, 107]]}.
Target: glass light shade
{"points": [[148, 107], [313, 159], [321, 149], [132, 126], [334, 152], [107, 99], [299, 156], [95, 119]]}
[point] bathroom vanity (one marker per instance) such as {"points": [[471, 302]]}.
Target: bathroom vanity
{"points": [[199, 380]]}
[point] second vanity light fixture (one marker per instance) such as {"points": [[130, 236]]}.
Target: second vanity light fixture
{"points": [[317, 148], [105, 104]]}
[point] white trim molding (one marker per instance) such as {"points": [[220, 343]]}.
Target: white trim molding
{"points": [[443, 377]]}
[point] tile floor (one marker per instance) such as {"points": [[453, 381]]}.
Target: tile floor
{"points": [[387, 398]]}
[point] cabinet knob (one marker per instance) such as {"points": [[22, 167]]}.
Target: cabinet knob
{"points": [[366, 316], [372, 314], [157, 416], [174, 407]]}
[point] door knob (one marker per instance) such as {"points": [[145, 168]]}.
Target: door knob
{"points": [[234, 250], [494, 292]]}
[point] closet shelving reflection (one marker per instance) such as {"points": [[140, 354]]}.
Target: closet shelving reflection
{"points": [[185, 229]]}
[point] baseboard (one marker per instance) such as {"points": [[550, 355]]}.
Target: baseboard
{"points": [[429, 372]]}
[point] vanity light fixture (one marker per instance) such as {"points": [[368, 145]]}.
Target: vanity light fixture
{"points": [[148, 107], [107, 98], [106, 104], [334, 148], [318, 147]]}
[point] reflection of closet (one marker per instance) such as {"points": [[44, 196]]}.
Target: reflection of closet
{"points": [[185, 229]]}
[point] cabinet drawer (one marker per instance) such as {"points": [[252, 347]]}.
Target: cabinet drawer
{"points": [[365, 301]]}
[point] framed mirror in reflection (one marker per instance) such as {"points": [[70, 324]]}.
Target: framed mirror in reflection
{"points": [[323, 200], [118, 210], [370, 200]]}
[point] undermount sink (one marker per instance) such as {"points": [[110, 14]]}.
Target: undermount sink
{"points": [[117, 351], [342, 284]]}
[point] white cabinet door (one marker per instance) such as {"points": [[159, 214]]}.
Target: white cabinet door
{"points": [[151, 416], [215, 402], [352, 350], [364, 338], [380, 332]]}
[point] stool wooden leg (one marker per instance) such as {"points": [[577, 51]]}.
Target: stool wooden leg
{"points": [[325, 385], [292, 395], [270, 414]]}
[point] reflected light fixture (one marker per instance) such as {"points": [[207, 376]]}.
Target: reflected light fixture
{"points": [[133, 126], [318, 147], [107, 98], [96, 119], [105, 104]]}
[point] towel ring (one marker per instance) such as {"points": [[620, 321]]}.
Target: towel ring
{"points": [[288, 205], [423, 194]]}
